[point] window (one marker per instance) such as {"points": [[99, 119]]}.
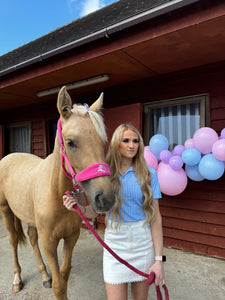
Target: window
{"points": [[18, 138], [177, 119]]}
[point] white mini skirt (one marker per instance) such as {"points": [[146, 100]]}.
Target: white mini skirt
{"points": [[132, 242]]}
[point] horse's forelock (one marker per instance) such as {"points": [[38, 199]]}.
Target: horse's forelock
{"points": [[96, 119]]}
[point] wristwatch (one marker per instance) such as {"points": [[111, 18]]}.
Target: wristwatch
{"points": [[161, 258]]}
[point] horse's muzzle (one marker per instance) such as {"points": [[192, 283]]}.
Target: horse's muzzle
{"points": [[104, 204]]}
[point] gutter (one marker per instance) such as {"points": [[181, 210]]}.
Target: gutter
{"points": [[104, 33]]}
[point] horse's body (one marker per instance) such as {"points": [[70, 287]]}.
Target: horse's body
{"points": [[31, 190]]}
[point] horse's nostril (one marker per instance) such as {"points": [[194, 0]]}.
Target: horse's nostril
{"points": [[99, 200]]}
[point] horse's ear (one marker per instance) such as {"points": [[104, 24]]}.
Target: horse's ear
{"points": [[64, 103], [97, 105]]}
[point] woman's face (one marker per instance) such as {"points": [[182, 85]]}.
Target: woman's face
{"points": [[129, 144]]}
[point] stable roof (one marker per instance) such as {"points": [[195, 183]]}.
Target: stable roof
{"points": [[116, 16]]}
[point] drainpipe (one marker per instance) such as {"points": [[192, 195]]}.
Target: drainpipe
{"points": [[104, 33]]}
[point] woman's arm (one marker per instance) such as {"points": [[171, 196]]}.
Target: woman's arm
{"points": [[157, 236], [70, 200]]}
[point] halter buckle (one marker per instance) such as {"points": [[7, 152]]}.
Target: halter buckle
{"points": [[75, 185]]}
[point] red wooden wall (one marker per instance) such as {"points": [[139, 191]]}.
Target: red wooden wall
{"points": [[38, 138], [123, 114], [194, 220]]}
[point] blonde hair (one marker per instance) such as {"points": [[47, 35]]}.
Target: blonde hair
{"points": [[140, 168]]}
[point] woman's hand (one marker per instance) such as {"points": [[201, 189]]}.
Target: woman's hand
{"points": [[158, 269], [69, 201]]}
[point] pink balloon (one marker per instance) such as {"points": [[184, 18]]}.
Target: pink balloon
{"points": [[204, 138], [189, 143], [150, 159], [172, 182], [218, 149]]}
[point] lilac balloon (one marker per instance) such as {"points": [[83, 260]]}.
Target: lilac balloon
{"points": [[204, 138], [178, 150], [189, 143], [165, 156], [223, 133], [176, 162]]}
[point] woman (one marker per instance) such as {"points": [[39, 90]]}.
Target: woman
{"points": [[134, 227]]}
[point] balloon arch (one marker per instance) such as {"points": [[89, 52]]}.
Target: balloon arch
{"points": [[201, 157]]}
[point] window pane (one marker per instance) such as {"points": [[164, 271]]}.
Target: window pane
{"points": [[18, 138]]}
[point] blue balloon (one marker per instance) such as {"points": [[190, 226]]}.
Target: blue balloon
{"points": [[191, 156], [210, 167], [158, 143], [193, 173]]}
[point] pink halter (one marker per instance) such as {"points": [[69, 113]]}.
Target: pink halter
{"points": [[93, 171]]}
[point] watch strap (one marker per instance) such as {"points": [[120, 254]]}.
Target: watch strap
{"points": [[161, 258]]}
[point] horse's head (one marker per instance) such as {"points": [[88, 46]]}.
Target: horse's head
{"points": [[84, 139]]}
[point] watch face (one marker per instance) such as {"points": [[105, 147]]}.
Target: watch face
{"points": [[163, 258]]}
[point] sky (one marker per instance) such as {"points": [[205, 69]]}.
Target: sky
{"points": [[22, 21]]}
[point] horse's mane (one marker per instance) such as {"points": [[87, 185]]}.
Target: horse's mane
{"points": [[96, 119]]}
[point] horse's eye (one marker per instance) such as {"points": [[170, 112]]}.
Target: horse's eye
{"points": [[71, 144]]}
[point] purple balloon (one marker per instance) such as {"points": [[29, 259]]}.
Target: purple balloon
{"points": [[223, 133], [165, 156], [176, 162], [178, 150]]}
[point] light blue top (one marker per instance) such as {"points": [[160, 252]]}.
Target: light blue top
{"points": [[132, 197]]}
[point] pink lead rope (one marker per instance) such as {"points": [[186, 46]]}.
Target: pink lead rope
{"points": [[150, 277]]}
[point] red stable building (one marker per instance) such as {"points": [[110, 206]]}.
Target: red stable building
{"points": [[161, 66]]}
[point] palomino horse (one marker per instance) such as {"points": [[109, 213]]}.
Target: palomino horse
{"points": [[31, 190]]}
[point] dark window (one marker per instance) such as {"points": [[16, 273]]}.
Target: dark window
{"points": [[51, 133], [18, 138]]}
